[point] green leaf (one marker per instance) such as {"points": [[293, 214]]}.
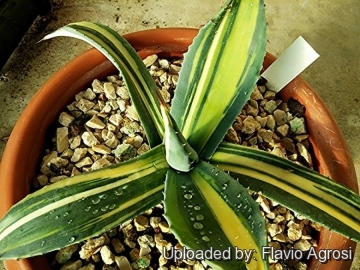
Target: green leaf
{"points": [[179, 154], [296, 187], [219, 73], [206, 208], [82, 206], [142, 87]]}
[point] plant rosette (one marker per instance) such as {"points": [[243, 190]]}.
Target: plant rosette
{"points": [[75, 76], [21, 156]]}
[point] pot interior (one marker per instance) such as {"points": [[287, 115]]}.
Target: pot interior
{"points": [[21, 156]]}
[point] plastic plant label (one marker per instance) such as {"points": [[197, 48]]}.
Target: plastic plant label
{"points": [[296, 58]]}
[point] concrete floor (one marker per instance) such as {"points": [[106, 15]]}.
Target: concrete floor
{"points": [[331, 28]]}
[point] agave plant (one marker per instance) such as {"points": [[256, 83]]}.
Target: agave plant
{"points": [[188, 165]]}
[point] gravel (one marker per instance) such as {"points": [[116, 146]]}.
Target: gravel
{"points": [[101, 127]]}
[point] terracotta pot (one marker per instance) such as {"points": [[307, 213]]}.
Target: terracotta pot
{"points": [[21, 157]]}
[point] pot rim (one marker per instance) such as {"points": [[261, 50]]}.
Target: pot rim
{"points": [[333, 159]]}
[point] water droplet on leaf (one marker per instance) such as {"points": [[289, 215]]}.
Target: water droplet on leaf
{"points": [[103, 196], [118, 191], [198, 225], [188, 196], [95, 200], [205, 238], [104, 208], [199, 217]]}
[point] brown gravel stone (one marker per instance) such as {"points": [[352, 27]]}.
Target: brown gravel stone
{"points": [[141, 223], [270, 106], [95, 123], [109, 90], [294, 231], [84, 105], [270, 94], [271, 123], [65, 119], [250, 125], [256, 94], [280, 238], [91, 246], [250, 110], [62, 139], [231, 136], [280, 117], [89, 139], [303, 245], [266, 135], [106, 255], [289, 145], [304, 153], [64, 254], [283, 130], [118, 246], [262, 120], [90, 266], [72, 265], [134, 254], [123, 263]]}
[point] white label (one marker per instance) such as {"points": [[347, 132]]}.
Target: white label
{"points": [[296, 58]]}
